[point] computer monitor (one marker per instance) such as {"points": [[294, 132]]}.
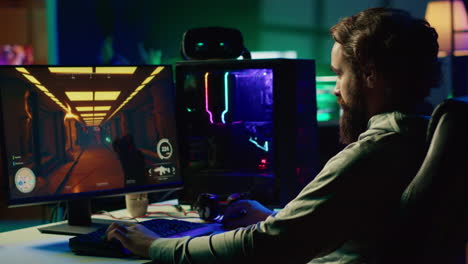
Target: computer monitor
{"points": [[328, 109], [75, 133], [247, 126]]}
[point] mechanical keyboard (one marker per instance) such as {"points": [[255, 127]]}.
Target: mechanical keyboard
{"points": [[96, 243]]}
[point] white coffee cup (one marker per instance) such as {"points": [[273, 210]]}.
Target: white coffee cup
{"points": [[137, 204]]}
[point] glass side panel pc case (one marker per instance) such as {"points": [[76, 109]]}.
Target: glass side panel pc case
{"points": [[74, 132], [247, 126]]}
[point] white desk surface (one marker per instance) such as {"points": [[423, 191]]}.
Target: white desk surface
{"points": [[28, 245]]}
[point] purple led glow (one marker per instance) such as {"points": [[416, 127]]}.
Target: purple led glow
{"points": [[257, 77], [266, 75]]}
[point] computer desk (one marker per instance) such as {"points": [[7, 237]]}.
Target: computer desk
{"points": [[28, 245]]}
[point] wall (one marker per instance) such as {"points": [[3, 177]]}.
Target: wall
{"points": [[24, 22], [303, 25], [91, 30], [119, 31]]}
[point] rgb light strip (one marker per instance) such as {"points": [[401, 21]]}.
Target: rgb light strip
{"points": [[226, 98], [264, 147], [207, 108]]}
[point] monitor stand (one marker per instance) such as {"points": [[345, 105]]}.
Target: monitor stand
{"points": [[79, 220]]}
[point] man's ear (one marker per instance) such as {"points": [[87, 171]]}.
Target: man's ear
{"points": [[370, 77]]}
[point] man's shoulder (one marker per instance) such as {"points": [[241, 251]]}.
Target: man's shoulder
{"points": [[393, 144], [376, 149], [371, 144], [396, 122]]}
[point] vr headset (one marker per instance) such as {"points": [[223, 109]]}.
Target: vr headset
{"points": [[213, 43]]}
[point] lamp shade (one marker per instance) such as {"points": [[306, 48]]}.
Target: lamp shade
{"points": [[439, 16]]}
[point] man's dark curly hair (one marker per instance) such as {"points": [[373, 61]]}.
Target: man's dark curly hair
{"points": [[399, 47]]}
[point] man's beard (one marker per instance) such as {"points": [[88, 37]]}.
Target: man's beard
{"points": [[353, 120]]}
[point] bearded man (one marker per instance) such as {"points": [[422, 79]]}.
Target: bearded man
{"points": [[386, 63]]}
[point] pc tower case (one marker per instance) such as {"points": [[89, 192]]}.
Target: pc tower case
{"points": [[247, 126]]}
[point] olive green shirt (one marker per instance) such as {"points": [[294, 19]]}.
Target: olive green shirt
{"points": [[345, 215]]}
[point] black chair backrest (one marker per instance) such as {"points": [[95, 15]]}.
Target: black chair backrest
{"points": [[435, 203]]}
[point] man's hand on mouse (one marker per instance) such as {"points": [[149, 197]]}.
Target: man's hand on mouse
{"points": [[134, 237], [243, 213]]}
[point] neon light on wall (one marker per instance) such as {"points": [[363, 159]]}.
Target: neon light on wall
{"points": [[206, 98], [226, 98], [264, 147]]}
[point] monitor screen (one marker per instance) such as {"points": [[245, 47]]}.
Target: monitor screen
{"points": [[247, 126], [88, 131], [328, 109]]}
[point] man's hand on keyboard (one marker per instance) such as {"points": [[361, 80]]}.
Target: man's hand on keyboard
{"points": [[133, 237], [244, 213]]}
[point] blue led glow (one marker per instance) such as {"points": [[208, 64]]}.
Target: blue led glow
{"points": [[226, 98], [264, 147]]}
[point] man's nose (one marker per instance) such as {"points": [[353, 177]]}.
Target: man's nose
{"points": [[336, 91]]}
